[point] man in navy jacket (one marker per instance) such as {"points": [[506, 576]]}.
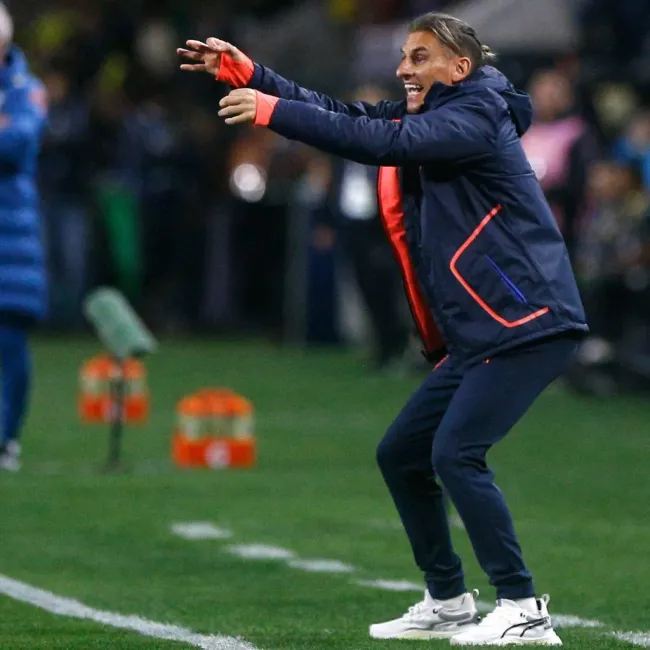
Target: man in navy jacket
{"points": [[489, 282], [22, 266]]}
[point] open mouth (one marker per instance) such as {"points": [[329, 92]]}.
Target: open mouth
{"points": [[413, 89]]}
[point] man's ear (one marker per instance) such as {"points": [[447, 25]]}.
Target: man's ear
{"points": [[462, 68]]}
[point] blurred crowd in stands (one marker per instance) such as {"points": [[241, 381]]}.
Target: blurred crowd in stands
{"points": [[215, 229]]}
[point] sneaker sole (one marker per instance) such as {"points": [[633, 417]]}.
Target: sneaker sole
{"points": [[423, 634], [550, 640]]}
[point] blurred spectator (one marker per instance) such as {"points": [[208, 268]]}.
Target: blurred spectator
{"points": [[634, 145], [614, 256], [560, 147], [261, 172], [353, 205], [64, 181], [613, 266], [118, 261], [156, 163]]}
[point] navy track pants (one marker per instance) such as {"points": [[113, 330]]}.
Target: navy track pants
{"points": [[444, 433]]}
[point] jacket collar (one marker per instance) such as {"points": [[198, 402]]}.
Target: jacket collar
{"points": [[435, 95], [440, 91]]}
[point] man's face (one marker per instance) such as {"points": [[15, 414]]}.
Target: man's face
{"points": [[426, 60]]}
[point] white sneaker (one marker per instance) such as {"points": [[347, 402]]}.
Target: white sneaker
{"points": [[431, 619], [10, 456], [510, 624]]}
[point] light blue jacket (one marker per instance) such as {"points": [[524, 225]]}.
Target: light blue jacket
{"points": [[23, 113]]}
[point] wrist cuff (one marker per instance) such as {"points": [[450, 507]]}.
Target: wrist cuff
{"points": [[265, 107], [235, 73]]}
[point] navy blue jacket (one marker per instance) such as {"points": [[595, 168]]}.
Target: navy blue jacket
{"points": [[484, 263], [22, 266]]}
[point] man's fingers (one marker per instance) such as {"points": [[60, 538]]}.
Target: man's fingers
{"points": [[234, 100], [194, 67], [216, 44], [190, 54], [238, 96], [199, 46], [237, 113], [233, 109], [240, 119]]}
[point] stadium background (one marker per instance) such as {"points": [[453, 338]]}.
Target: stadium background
{"points": [[141, 184], [224, 240]]}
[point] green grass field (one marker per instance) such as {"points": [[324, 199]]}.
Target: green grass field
{"points": [[574, 471]]}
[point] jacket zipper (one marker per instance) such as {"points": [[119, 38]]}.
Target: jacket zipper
{"points": [[508, 282]]}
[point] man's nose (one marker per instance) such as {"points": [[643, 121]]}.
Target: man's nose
{"points": [[403, 70]]}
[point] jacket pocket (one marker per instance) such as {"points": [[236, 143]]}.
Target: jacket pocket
{"points": [[482, 298]]}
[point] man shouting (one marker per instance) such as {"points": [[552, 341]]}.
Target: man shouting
{"points": [[489, 282]]}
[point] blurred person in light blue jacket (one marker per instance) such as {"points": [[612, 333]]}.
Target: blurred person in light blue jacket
{"points": [[23, 283]]}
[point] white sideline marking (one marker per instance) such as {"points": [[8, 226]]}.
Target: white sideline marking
{"points": [[390, 585], [62, 606], [260, 552], [635, 638], [200, 530], [318, 565], [568, 620]]}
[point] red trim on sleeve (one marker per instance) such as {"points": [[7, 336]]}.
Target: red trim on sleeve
{"points": [[235, 73], [265, 107]]}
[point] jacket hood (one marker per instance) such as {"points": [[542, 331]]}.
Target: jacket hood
{"points": [[521, 108]]}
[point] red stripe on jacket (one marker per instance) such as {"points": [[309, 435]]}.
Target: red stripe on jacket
{"points": [[392, 216]]}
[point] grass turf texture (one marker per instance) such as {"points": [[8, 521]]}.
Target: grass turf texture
{"points": [[574, 472]]}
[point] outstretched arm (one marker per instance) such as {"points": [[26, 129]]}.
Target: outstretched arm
{"points": [[458, 132], [271, 83], [232, 66]]}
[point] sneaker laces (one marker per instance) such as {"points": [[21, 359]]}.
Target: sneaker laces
{"points": [[419, 610], [426, 607], [497, 617]]}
